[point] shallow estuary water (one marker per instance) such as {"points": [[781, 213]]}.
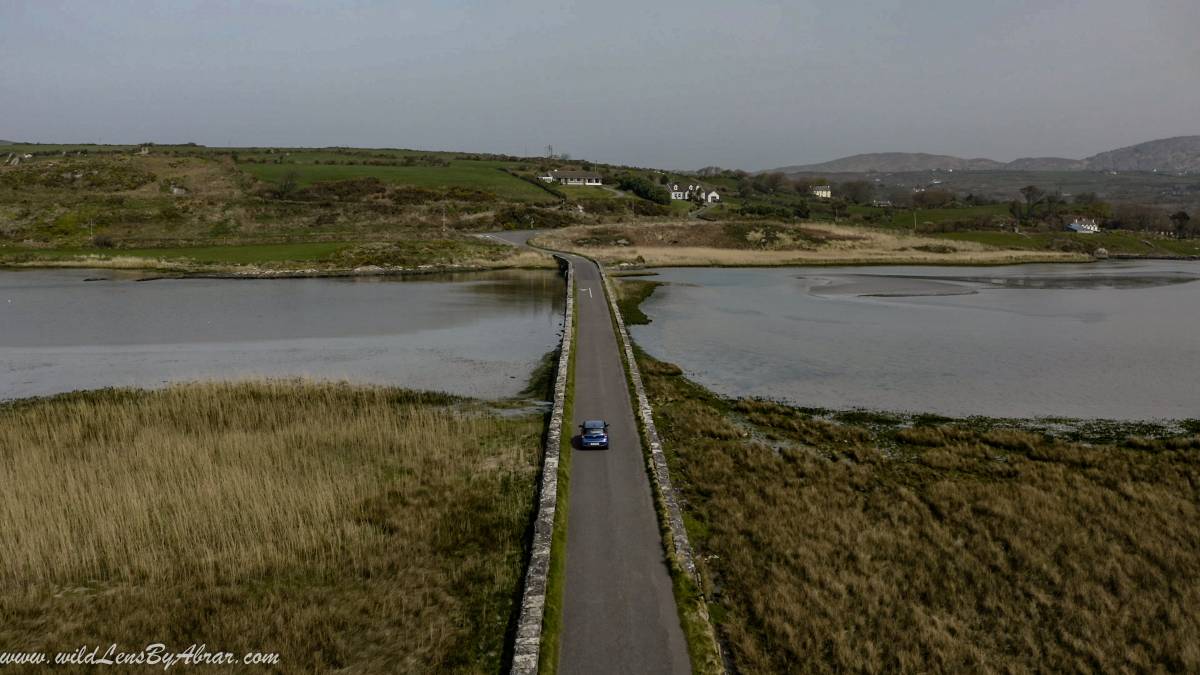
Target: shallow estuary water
{"points": [[1116, 340], [478, 334]]}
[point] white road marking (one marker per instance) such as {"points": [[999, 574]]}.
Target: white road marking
{"points": [[589, 290]]}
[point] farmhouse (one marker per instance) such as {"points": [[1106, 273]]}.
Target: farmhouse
{"points": [[822, 192], [573, 178], [685, 191], [1084, 226]]}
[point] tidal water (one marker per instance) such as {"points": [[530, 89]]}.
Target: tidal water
{"points": [[478, 334], [1117, 340]]}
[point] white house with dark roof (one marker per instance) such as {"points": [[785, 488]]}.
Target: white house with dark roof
{"points": [[822, 192], [685, 191], [1084, 226], [588, 178]]}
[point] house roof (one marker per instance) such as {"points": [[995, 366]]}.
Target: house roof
{"points": [[575, 174]]}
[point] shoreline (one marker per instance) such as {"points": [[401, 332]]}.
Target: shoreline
{"points": [[170, 272]]}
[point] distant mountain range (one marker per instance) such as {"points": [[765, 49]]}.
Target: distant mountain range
{"points": [[1173, 155]]}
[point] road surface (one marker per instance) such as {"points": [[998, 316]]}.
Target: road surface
{"points": [[619, 613]]}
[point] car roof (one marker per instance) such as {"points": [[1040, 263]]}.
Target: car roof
{"points": [[592, 424]]}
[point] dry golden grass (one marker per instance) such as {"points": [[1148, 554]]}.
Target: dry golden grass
{"points": [[374, 529], [749, 244], [830, 547]]}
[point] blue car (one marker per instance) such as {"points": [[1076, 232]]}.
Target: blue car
{"points": [[594, 434]]}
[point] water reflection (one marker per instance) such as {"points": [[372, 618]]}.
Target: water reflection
{"points": [[1114, 340], [476, 334]]}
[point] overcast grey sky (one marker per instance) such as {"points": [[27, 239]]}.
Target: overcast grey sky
{"points": [[748, 84]]}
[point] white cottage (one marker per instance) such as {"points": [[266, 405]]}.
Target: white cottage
{"points": [[1084, 226], [685, 191], [573, 178]]}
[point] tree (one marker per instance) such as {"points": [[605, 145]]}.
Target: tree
{"points": [[1053, 201], [1180, 220], [1033, 194], [771, 183], [857, 191], [644, 188], [1017, 211], [289, 184], [1138, 217], [899, 196], [838, 206], [932, 199]]}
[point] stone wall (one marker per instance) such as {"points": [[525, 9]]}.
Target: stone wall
{"points": [[528, 640]]}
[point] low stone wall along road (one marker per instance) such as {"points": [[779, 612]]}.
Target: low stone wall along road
{"points": [[619, 611]]}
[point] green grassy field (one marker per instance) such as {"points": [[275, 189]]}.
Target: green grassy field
{"points": [[903, 218], [469, 174], [345, 528], [584, 192], [681, 207]]}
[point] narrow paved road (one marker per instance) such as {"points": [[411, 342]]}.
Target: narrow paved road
{"points": [[619, 613]]}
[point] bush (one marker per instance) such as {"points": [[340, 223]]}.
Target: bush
{"points": [[529, 218], [603, 206], [644, 208], [90, 175], [354, 189], [645, 189], [769, 211]]}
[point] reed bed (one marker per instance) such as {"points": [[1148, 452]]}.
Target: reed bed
{"points": [[344, 527]]}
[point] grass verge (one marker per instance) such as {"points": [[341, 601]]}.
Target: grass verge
{"points": [[366, 529], [557, 576]]}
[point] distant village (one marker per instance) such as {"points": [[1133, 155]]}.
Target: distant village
{"points": [[680, 191]]}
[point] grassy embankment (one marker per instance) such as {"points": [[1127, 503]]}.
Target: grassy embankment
{"points": [[368, 529], [869, 542], [750, 243]]}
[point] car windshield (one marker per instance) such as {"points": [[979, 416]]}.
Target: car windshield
{"points": [[593, 427]]}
